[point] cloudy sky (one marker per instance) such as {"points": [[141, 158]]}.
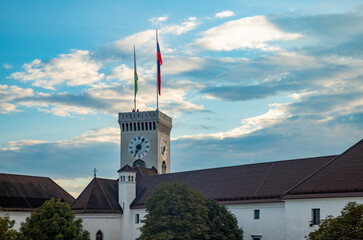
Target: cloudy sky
{"points": [[245, 81]]}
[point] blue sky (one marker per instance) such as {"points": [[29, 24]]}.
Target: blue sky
{"points": [[244, 81]]}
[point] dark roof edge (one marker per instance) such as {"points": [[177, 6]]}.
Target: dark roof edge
{"points": [[318, 170], [323, 195], [250, 164]]}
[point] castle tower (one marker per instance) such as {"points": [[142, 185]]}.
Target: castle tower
{"points": [[145, 140]]}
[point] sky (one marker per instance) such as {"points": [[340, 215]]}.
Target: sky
{"points": [[244, 81]]}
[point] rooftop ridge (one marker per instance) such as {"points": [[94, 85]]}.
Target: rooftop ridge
{"points": [[250, 164], [322, 167], [22, 175], [108, 200]]}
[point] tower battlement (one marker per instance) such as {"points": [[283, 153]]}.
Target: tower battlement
{"points": [[127, 117]]}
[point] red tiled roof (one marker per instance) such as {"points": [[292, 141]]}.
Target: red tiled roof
{"points": [[24, 193], [342, 174], [100, 196]]}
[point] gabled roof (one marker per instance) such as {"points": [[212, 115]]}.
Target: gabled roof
{"points": [[342, 175], [25, 193], [262, 182], [100, 196]]}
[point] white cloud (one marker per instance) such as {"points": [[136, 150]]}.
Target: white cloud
{"points": [[7, 66], [101, 135], [123, 73], [158, 20], [190, 24], [225, 14], [275, 115], [15, 145], [251, 32], [11, 93], [73, 69]]}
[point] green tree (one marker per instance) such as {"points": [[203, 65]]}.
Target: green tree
{"points": [[6, 231], [222, 223], [175, 211], [347, 226], [54, 220]]}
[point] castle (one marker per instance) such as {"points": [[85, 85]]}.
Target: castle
{"points": [[271, 200]]}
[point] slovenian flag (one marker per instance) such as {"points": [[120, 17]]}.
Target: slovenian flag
{"points": [[160, 62]]}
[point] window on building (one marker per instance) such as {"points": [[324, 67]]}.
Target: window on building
{"points": [[130, 126], [129, 178], [135, 128], [315, 216], [132, 178], [154, 126], [127, 127], [138, 126], [146, 128], [142, 126], [137, 218], [123, 127], [256, 237], [150, 126], [256, 214], [99, 235]]}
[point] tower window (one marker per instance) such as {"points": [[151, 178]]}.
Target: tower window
{"points": [[127, 127], [150, 126], [163, 167], [146, 126], [132, 178], [135, 129], [99, 235], [130, 126], [142, 126], [154, 126], [123, 178], [123, 127], [256, 214], [138, 126], [129, 178]]}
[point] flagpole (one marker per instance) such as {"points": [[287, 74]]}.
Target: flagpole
{"points": [[157, 83], [134, 79]]}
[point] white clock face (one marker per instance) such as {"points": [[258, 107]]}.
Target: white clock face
{"points": [[164, 148], [139, 147]]}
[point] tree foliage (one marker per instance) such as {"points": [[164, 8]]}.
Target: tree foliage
{"points": [[175, 211], [347, 226], [223, 224], [6, 231], [54, 220]]}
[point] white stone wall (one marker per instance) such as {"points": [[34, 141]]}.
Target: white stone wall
{"points": [[299, 213], [17, 216], [109, 224], [271, 225]]}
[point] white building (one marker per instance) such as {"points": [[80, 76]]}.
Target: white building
{"points": [[271, 200]]}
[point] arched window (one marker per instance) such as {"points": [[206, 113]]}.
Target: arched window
{"points": [[139, 163], [132, 178], [163, 167], [123, 178], [99, 235], [129, 178]]}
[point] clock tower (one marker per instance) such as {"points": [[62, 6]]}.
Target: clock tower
{"points": [[145, 140]]}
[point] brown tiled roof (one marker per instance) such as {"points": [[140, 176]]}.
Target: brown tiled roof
{"points": [[146, 171], [342, 174], [262, 182], [100, 196], [127, 168], [25, 193]]}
